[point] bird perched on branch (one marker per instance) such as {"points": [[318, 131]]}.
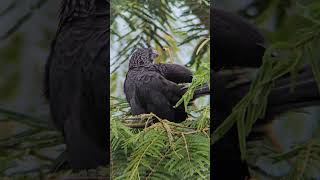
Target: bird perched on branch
{"points": [[154, 88], [75, 81]]}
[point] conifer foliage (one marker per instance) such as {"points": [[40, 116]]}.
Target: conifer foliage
{"points": [[164, 150]]}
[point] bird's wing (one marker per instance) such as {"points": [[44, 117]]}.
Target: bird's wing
{"points": [[285, 95], [130, 92], [157, 94], [155, 82], [175, 73], [63, 77]]}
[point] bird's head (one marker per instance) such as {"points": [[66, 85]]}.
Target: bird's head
{"points": [[143, 56]]}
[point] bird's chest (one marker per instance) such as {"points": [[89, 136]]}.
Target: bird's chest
{"points": [[141, 77]]}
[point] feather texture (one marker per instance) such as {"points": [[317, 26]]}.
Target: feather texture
{"points": [[76, 84]]}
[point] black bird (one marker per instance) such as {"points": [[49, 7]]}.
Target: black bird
{"points": [[235, 42], [154, 88], [76, 84]]}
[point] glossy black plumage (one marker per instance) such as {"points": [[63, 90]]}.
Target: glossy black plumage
{"points": [[235, 41], [153, 87], [76, 84]]}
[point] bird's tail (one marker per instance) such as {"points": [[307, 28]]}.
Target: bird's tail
{"points": [[201, 91]]}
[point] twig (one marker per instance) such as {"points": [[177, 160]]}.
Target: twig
{"points": [[9, 8], [26, 119], [155, 167]]}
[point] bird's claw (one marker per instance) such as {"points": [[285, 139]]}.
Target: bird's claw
{"points": [[139, 121]]}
